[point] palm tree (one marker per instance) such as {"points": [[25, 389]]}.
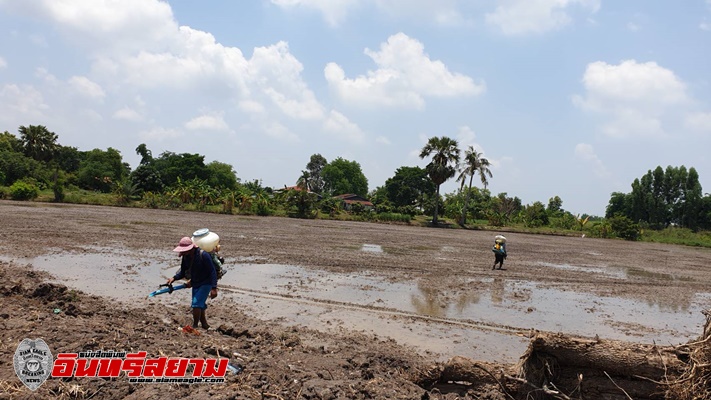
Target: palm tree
{"points": [[304, 181], [446, 154], [474, 163], [38, 142]]}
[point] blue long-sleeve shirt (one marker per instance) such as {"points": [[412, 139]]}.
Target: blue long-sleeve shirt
{"points": [[202, 271]]}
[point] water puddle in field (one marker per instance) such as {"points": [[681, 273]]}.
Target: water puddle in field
{"points": [[372, 248], [488, 323], [617, 272]]}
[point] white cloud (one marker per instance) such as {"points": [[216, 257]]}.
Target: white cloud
{"points": [[86, 87], [405, 75], [137, 46], [631, 26], [632, 82], [207, 122], [21, 102], [339, 125], [193, 59], [3, 63], [705, 26], [127, 114], [636, 97], [586, 153], [465, 137], [107, 25], [516, 17], [279, 74]]}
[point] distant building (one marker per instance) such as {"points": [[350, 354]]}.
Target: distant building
{"points": [[347, 201], [299, 189]]}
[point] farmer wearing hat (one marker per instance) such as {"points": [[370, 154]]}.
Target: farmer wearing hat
{"points": [[196, 265]]}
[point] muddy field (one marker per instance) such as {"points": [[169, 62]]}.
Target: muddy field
{"points": [[325, 309]]}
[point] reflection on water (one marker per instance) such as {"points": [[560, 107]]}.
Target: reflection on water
{"points": [[617, 271], [498, 287], [498, 301], [428, 302], [667, 299], [434, 303]]}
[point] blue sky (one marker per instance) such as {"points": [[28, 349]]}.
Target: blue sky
{"points": [[574, 98]]}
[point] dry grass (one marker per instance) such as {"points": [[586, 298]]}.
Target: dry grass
{"points": [[695, 382]]}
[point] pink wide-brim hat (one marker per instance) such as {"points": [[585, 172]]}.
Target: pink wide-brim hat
{"points": [[185, 244]]}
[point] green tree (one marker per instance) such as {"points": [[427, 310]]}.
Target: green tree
{"points": [[100, 169], [315, 168], [408, 187], [535, 215], [221, 175], [660, 198], [474, 163], [341, 176], [146, 178], [692, 205], [68, 158], [555, 206], [146, 155], [503, 208], [15, 166], [9, 142], [445, 155], [300, 203], [619, 204], [38, 142], [187, 166]]}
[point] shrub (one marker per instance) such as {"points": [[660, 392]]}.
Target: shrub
{"points": [[262, 209], [395, 217], [624, 228], [409, 210], [21, 190]]}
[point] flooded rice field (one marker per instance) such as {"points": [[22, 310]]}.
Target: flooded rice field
{"points": [[429, 289]]}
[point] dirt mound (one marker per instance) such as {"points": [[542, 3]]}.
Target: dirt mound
{"points": [[278, 362]]}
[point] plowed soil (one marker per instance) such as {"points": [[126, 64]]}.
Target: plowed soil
{"points": [[354, 310]]}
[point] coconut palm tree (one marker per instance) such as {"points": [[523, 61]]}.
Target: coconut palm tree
{"points": [[304, 181], [445, 155], [474, 163], [38, 142]]}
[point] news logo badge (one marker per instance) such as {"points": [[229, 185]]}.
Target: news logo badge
{"points": [[33, 362]]}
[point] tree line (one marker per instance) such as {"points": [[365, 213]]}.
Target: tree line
{"points": [[664, 197], [34, 160]]}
